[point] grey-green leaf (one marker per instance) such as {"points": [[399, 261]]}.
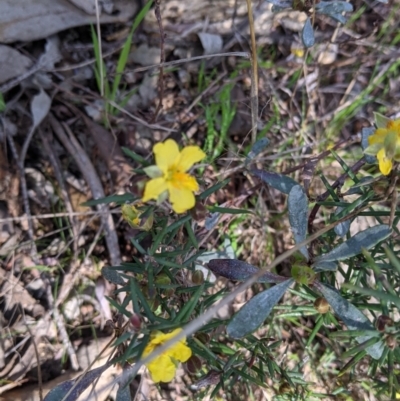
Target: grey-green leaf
{"points": [[307, 34], [112, 276], [351, 316], [298, 211], [278, 181], [75, 387], [334, 7], [365, 134], [256, 149], [320, 266], [253, 314], [342, 228], [362, 240], [238, 270]]}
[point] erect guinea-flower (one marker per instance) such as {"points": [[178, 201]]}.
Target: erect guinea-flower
{"points": [[170, 176], [384, 143], [163, 367]]}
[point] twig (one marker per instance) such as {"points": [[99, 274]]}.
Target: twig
{"points": [[254, 74], [85, 165], [47, 138], [157, 12], [61, 328], [61, 214], [39, 368], [25, 200]]}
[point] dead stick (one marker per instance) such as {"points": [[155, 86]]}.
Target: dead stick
{"points": [[254, 74], [157, 12], [85, 165]]}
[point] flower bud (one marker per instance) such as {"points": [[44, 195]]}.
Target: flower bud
{"points": [[135, 321], [204, 338], [391, 342], [194, 365], [382, 321], [285, 388], [321, 305], [198, 277]]}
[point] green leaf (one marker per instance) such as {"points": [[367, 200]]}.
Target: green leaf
{"points": [[380, 120], [278, 181], [253, 314], [227, 210], [307, 34], [213, 189], [298, 211], [383, 296], [351, 316], [241, 271], [153, 171], [362, 240]]}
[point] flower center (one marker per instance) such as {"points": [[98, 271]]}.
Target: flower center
{"points": [[181, 180]]}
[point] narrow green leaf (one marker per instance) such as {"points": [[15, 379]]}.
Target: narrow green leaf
{"points": [[253, 314], [227, 210], [384, 296], [214, 188]]}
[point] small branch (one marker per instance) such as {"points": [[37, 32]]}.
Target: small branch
{"points": [[61, 328], [254, 74], [157, 12], [88, 171], [24, 191], [47, 139]]}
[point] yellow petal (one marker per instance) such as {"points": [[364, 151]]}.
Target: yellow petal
{"points": [[180, 351], [166, 154], [183, 181], [385, 164], [378, 136], [189, 156], [154, 188], [181, 199], [162, 369]]}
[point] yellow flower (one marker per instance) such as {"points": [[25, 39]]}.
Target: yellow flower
{"points": [[170, 177], [385, 143], [163, 367]]}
